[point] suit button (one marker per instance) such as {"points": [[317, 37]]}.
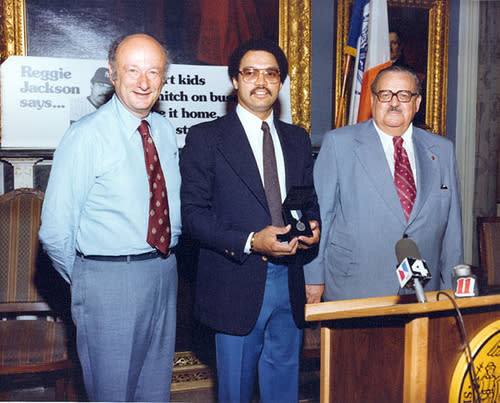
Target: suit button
{"points": [[264, 258], [226, 251], [232, 253]]}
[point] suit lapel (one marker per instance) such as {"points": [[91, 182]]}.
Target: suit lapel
{"points": [[236, 150], [427, 162], [372, 157], [287, 149]]}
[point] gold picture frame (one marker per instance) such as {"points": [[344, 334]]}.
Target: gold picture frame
{"points": [[437, 56], [294, 39]]}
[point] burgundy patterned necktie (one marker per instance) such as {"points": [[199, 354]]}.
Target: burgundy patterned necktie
{"points": [[403, 177], [271, 181], [159, 220]]}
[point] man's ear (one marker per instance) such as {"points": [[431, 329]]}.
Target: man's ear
{"points": [[235, 83], [417, 103]]}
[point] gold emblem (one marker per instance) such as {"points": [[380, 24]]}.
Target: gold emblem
{"points": [[485, 350]]}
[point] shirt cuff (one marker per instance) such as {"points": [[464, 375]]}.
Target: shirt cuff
{"points": [[247, 249]]}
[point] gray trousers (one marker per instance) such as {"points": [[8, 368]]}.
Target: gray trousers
{"points": [[125, 316]]}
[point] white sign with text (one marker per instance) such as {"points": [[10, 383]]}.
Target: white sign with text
{"points": [[39, 94]]}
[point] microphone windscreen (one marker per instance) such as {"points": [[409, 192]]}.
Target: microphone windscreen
{"points": [[407, 248]]}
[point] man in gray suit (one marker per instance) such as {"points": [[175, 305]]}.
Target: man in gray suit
{"points": [[364, 213]]}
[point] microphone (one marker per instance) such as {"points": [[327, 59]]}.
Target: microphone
{"points": [[412, 269], [464, 282]]}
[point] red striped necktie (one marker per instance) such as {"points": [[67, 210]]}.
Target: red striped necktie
{"points": [[403, 177]]}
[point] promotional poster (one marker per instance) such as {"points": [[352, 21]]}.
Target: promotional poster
{"points": [[41, 96]]}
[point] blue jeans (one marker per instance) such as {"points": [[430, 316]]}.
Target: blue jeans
{"points": [[272, 348]]}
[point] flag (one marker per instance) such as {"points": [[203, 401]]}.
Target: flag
{"points": [[355, 26], [372, 55], [350, 49]]}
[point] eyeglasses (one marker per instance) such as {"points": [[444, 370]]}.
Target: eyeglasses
{"points": [[402, 95], [250, 75]]}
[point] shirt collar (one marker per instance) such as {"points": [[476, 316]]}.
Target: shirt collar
{"points": [[128, 120], [386, 139], [248, 118]]}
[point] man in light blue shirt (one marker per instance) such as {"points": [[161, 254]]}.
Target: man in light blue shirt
{"points": [[96, 226]]}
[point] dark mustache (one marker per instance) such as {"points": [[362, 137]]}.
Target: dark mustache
{"points": [[394, 109], [260, 88]]}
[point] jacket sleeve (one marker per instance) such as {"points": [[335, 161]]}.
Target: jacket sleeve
{"points": [[200, 219], [325, 183]]}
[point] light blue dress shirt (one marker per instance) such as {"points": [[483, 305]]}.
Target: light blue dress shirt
{"points": [[97, 198]]}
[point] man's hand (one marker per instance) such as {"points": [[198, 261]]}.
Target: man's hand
{"points": [[266, 242], [314, 293], [307, 241]]}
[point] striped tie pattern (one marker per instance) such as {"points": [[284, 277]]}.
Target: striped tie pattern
{"points": [[403, 177]]}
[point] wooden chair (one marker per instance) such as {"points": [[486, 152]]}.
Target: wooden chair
{"points": [[38, 346], [489, 250]]}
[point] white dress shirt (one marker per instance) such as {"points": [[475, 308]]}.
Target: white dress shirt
{"points": [[253, 129], [388, 147]]}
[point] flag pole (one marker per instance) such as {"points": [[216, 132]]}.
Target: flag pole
{"points": [[340, 106]]}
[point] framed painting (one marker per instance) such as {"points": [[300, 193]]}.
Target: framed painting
{"points": [[85, 29], [419, 36]]}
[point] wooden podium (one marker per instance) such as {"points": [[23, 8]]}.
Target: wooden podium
{"points": [[394, 349]]}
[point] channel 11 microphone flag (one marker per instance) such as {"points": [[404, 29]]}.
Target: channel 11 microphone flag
{"points": [[372, 53]]}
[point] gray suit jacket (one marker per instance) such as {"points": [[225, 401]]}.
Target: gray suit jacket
{"points": [[362, 218]]}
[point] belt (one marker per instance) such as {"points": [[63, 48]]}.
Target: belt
{"points": [[127, 258]]}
